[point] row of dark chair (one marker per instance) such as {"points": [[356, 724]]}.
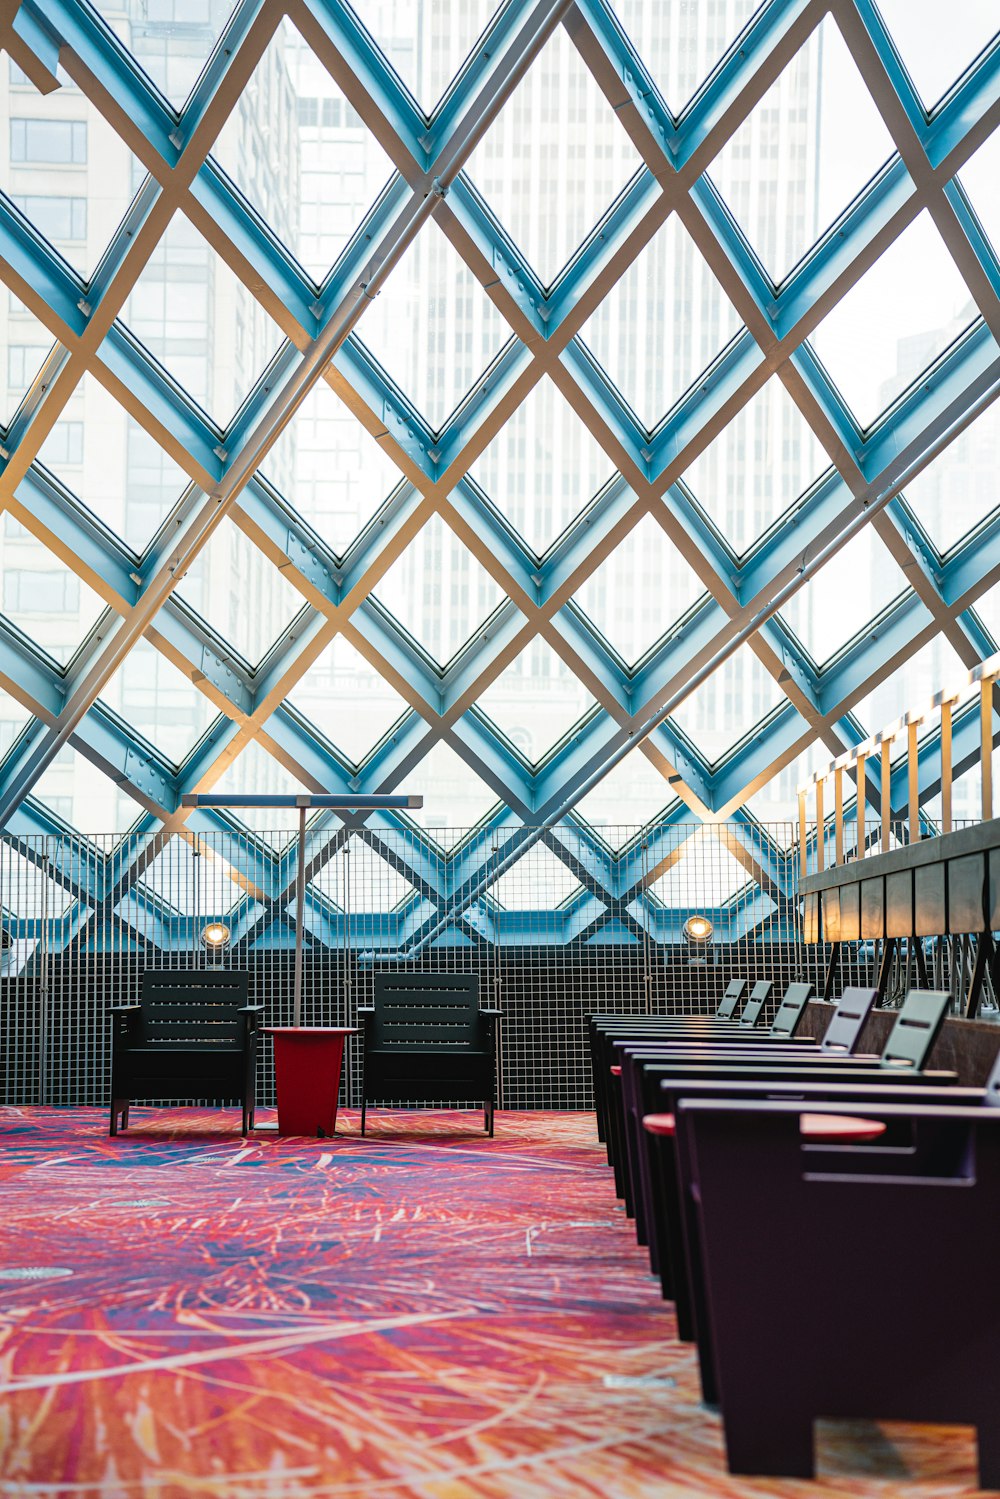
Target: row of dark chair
{"points": [[773, 1177]]}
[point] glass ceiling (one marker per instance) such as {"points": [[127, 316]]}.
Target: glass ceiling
{"points": [[580, 410]]}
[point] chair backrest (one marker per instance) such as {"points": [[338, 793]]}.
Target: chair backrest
{"points": [[991, 1090], [199, 1008], [735, 990], [427, 1012], [759, 996], [848, 1020], [791, 1009], [918, 1024]]}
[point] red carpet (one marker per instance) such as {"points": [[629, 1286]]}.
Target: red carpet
{"points": [[425, 1312]]}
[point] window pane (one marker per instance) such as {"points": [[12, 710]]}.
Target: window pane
{"points": [[300, 154], [934, 49], [766, 457], [681, 44], [438, 591], [543, 467], [661, 325], [536, 700], [433, 328], [639, 591], [898, 318], [170, 39], [555, 159], [426, 44], [791, 169]]}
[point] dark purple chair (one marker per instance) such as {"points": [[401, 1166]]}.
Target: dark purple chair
{"points": [[884, 1307]]}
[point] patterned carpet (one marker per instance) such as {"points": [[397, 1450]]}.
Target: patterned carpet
{"points": [[423, 1313]]}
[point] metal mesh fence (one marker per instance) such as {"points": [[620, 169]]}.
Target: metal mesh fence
{"points": [[555, 923]]}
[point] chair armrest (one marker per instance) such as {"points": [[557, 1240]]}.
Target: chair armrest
{"points": [[250, 1010], [366, 1009], [493, 1014], [124, 1009]]}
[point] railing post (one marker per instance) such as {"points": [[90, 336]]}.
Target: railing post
{"points": [[945, 702], [986, 674], [862, 798], [883, 742], [818, 780], [913, 722], [838, 808]]}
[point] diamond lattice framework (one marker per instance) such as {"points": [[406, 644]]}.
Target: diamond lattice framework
{"points": [[450, 548]]}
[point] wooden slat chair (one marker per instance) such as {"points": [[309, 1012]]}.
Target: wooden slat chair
{"points": [[427, 1041], [926, 1351], [192, 1037]]}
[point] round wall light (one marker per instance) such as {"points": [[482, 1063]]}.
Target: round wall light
{"points": [[216, 936], [698, 931]]}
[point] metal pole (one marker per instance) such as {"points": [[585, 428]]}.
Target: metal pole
{"points": [[300, 912], [196, 928], [43, 985]]}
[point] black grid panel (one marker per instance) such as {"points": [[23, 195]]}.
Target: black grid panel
{"points": [[552, 933], [546, 996]]}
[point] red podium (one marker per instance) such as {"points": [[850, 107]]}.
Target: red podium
{"points": [[307, 1065]]}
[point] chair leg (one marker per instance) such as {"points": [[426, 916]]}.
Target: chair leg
{"points": [[246, 1121], [114, 1118], [363, 1101], [125, 1117]]}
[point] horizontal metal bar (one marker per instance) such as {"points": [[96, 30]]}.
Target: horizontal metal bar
{"points": [[346, 803]]}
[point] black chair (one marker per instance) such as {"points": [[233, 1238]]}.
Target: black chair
{"points": [[848, 1020], [925, 1351], [791, 1010], [759, 996], [735, 990], [427, 1041], [191, 1037]]}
